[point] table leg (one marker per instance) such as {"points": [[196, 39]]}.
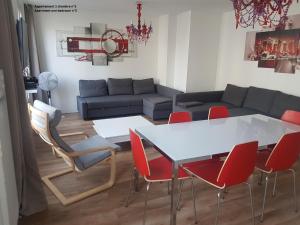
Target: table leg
{"points": [[174, 195]]}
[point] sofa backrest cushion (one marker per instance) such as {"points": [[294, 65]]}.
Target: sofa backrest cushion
{"points": [[120, 86], [92, 88], [259, 99], [283, 102], [234, 95], [145, 86]]}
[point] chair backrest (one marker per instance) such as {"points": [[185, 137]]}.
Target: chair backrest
{"points": [[40, 124], [285, 153], [218, 112], [291, 117], [239, 164], [180, 117], [44, 120], [139, 155]]}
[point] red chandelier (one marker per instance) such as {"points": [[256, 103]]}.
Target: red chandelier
{"points": [[141, 33], [267, 13]]}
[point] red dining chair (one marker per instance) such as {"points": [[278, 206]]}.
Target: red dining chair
{"points": [[218, 112], [153, 171], [236, 169], [281, 158], [291, 116], [179, 117]]}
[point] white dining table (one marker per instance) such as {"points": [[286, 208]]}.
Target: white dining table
{"points": [[199, 140]]}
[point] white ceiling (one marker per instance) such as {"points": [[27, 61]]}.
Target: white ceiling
{"points": [[149, 6]]}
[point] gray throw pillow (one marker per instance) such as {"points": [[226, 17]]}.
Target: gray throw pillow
{"points": [[92, 88], [234, 95], [120, 86], [260, 99], [145, 86]]}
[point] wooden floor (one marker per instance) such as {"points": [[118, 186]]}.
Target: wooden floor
{"points": [[107, 208]]}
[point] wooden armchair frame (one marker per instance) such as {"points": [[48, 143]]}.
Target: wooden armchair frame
{"points": [[69, 157]]}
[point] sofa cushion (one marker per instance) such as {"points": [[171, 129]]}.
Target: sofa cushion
{"points": [[158, 103], [89, 160], [113, 101], [120, 86], [234, 95], [283, 102], [145, 86], [92, 88], [259, 99], [242, 112], [149, 95], [189, 104]]}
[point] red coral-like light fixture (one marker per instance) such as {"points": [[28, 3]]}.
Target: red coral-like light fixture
{"points": [[139, 33], [267, 13]]}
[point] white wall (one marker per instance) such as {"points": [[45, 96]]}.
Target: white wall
{"points": [[233, 69], [69, 71], [203, 50], [9, 207], [172, 29], [182, 50], [162, 51], [192, 49]]}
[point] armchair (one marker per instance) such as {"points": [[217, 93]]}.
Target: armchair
{"points": [[80, 156]]}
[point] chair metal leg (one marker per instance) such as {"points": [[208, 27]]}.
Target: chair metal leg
{"points": [[146, 203], [194, 200], [251, 202], [294, 187], [180, 194], [275, 183], [131, 188], [261, 178], [218, 207], [136, 180], [264, 199]]}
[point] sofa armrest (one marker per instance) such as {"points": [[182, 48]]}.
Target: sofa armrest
{"points": [[82, 107], [167, 91], [209, 96]]}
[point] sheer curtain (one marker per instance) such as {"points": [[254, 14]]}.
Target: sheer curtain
{"points": [[30, 191]]}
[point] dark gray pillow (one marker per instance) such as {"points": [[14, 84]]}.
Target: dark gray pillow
{"points": [[92, 88], [259, 99], [120, 86], [283, 102], [145, 86], [234, 95]]}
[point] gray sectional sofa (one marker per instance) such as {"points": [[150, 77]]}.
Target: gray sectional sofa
{"points": [[122, 97], [239, 100]]}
